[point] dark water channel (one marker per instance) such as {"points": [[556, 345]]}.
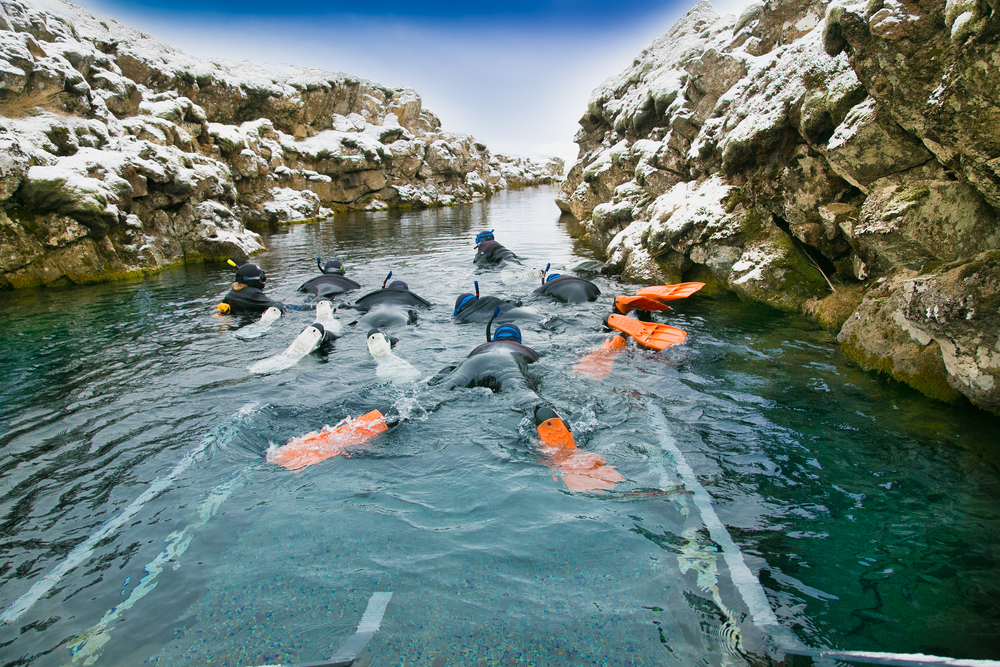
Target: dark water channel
{"points": [[869, 514]]}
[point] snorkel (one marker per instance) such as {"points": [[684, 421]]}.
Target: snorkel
{"points": [[489, 325], [386, 279], [504, 331], [319, 264]]}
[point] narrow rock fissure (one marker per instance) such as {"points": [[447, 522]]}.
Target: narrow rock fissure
{"points": [[817, 257]]}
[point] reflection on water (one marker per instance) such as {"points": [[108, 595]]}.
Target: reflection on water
{"points": [[868, 513]]}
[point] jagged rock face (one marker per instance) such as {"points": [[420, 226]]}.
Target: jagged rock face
{"points": [[935, 68], [938, 330], [860, 142], [146, 157]]}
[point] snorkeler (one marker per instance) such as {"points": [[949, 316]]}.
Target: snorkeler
{"points": [[488, 251], [473, 308], [568, 289], [247, 294], [499, 364], [332, 282], [597, 364], [390, 306]]}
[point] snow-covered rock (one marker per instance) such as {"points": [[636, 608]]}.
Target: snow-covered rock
{"points": [[519, 171]]}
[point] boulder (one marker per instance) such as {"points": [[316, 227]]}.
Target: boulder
{"points": [[58, 190], [772, 270], [900, 224], [13, 166], [936, 330], [869, 145], [934, 66], [12, 78]]}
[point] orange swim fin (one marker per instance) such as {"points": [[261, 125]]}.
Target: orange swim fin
{"points": [[553, 431], [580, 471], [670, 292], [597, 364], [223, 308], [314, 447], [648, 334], [626, 304]]}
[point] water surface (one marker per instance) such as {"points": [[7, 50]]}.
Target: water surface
{"points": [[868, 513]]}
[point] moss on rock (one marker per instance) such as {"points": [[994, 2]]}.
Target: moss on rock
{"points": [[832, 311], [924, 369]]}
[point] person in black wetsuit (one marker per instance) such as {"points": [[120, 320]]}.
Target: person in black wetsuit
{"points": [[247, 295], [488, 251], [472, 308], [394, 305], [568, 289], [331, 283], [498, 364]]}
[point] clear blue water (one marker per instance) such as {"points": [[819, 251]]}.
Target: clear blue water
{"points": [[868, 512]]}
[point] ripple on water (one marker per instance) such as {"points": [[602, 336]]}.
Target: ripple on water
{"points": [[868, 511]]}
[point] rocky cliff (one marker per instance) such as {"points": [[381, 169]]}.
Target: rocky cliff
{"points": [[120, 155], [842, 158]]}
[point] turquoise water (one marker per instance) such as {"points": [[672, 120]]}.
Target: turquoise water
{"points": [[868, 513]]}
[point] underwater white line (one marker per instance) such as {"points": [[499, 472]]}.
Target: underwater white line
{"points": [[745, 580], [895, 659], [372, 618], [83, 550], [88, 645], [370, 621]]}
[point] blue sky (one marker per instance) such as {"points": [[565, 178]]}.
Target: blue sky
{"points": [[516, 75], [592, 11]]}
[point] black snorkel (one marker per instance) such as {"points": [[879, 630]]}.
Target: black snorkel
{"points": [[319, 265], [544, 271], [476, 283], [489, 325], [386, 279]]}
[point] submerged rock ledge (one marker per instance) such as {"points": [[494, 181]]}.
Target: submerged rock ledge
{"points": [[120, 156], [807, 141]]}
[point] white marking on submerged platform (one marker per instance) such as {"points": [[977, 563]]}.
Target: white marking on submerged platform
{"points": [[83, 550], [745, 580], [372, 618], [88, 646]]}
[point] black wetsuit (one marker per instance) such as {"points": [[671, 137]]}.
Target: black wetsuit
{"points": [[396, 293], [491, 252], [481, 310], [250, 300], [329, 284], [498, 366], [569, 289], [390, 306]]}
